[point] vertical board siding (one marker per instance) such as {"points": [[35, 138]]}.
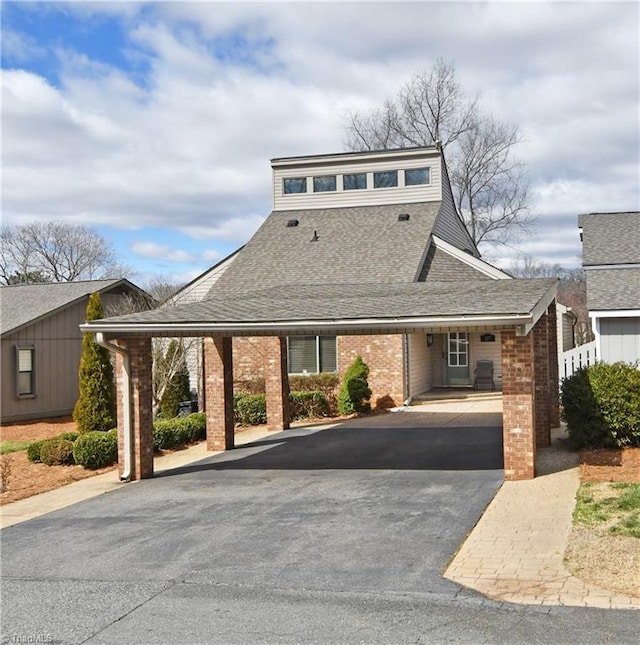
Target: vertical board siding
{"points": [[448, 225], [620, 339], [58, 345]]}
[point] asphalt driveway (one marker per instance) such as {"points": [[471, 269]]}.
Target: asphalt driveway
{"points": [[310, 535]]}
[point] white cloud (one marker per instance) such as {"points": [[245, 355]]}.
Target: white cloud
{"points": [[161, 252], [186, 146]]}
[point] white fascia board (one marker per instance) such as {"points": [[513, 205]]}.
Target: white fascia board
{"points": [[615, 313], [611, 267], [346, 157], [475, 263], [285, 327], [541, 307]]}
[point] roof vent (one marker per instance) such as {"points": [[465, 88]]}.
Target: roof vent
{"points": [[403, 217], [315, 237], [292, 222]]}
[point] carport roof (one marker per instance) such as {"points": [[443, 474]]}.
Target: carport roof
{"points": [[337, 307]]}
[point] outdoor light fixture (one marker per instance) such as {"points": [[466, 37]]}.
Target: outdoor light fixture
{"points": [[403, 217]]}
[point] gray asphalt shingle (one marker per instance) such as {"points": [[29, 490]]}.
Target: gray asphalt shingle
{"points": [[363, 244], [610, 289], [610, 238], [21, 304]]}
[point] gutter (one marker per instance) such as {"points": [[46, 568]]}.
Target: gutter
{"points": [[288, 326], [126, 403]]}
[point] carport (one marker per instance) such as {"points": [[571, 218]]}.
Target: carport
{"points": [[523, 311]]}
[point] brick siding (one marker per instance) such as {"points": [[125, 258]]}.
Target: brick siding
{"points": [[218, 383]]}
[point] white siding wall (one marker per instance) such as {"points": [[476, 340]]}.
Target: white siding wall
{"points": [[368, 197], [487, 351], [620, 339], [420, 370]]}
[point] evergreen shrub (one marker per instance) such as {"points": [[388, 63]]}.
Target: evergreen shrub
{"points": [[355, 392], [33, 451], [96, 449], [601, 406], [308, 404], [56, 452]]}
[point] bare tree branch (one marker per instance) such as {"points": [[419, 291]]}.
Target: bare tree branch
{"points": [[490, 185]]}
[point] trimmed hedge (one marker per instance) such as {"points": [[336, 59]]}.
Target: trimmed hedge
{"points": [[180, 431], [250, 409], [308, 404], [96, 449], [56, 452], [601, 406], [33, 451]]}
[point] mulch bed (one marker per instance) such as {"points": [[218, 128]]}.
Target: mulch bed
{"points": [[610, 465]]}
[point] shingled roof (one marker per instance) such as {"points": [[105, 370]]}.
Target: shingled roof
{"points": [[361, 244], [610, 238], [25, 303], [332, 306]]}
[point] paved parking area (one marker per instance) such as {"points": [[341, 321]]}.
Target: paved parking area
{"points": [[336, 534]]}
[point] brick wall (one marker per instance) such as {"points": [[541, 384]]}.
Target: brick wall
{"points": [[277, 384], [141, 407], [249, 357], [218, 383], [384, 356], [518, 413]]}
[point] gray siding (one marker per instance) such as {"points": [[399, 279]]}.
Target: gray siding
{"points": [[58, 345], [620, 339], [448, 224]]}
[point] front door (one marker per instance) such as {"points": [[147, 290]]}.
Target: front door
{"points": [[458, 358]]}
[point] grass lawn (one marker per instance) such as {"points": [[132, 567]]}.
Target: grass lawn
{"points": [[11, 445], [612, 506]]}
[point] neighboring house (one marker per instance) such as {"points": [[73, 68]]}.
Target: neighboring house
{"points": [[42, 344], [611, 260]]}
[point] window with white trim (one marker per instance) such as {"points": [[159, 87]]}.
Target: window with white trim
{"points": [[324, 184], [385, 179], [25, 372], [293, 185], [416, 176], [312, 354]]}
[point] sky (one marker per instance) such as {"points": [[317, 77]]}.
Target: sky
{"points": [[155, 122]]}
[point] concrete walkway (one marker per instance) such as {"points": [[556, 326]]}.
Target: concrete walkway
{"points": [[514, 554]]}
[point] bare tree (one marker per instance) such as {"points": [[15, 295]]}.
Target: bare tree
{"points": [[490, 185], [168, 355], [527, 267], [55, 252]]}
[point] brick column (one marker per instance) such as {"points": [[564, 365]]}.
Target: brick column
{"points": [[141, 407], [554, 379], [218, 383], [518, 413], [277, 384], [541, 333]]}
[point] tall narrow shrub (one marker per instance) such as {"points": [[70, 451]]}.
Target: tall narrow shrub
{"points": [[177, 389], [355, 392], [95, 408]]}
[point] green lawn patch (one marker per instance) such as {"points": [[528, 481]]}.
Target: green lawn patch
{"points": [[10, 445], [614, 507]]}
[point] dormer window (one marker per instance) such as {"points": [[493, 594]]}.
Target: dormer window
{"points": [[325, 184], [294, 185], [385, 179], [356, 181], [416, 177]]}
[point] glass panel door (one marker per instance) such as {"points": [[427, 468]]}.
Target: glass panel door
{"points": [[458, 358]]}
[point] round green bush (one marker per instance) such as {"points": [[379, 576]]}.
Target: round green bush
{"points": [[96, 449], [165, 436], [33, 451], [601, 406], [56, 452], [251, 410], [70, 436], [308, 404]]}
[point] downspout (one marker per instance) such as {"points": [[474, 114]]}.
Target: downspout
{"points": [[126, 402], [407, 371]]}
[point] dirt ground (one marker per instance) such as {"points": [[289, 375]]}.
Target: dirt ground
{"points": [[595, 556]]}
